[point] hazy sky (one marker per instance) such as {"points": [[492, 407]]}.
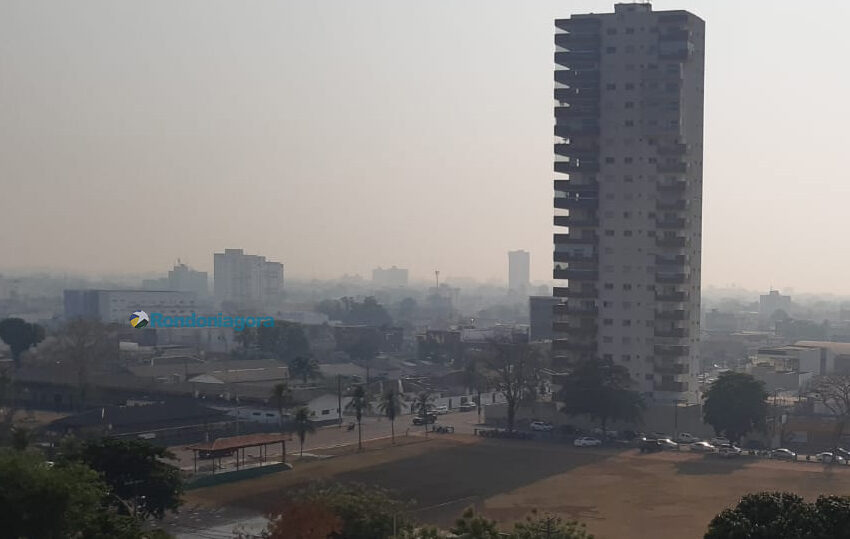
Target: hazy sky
{"points": [[335, 136]]}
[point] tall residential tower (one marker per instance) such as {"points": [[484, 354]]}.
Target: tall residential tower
{"points": [[628, 193]]}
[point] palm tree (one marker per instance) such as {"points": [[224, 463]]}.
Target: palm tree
{"points": [[422, 404], [282, 396], [303, 425], [359, 403], [390, 406], [304, 367]]}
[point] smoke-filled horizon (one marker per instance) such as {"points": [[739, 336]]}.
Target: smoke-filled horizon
{"points": [[340, 136]]}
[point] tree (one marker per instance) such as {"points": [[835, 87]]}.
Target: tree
{"points": [[601, 389], [538, 526], [390, 406], [472, 526], [833, 391], [83, 344], [303, 425], [304, 367], [359, 403], [421, 405], [300, 520], [735, 404], [142, 484], [284, 341], [366, 313], [474, 380], [19, 336], [366, 512], [55, 502], [516, 373], [779, 515], [282, 396]]}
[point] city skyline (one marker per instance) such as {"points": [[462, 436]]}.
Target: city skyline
{"points": [[206, 147]]}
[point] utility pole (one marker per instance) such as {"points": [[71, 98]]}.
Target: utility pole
{"points": [[339, 398], [437, 273]]}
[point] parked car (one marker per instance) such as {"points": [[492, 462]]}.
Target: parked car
{"points": [[719, 440], [587, 441], [702, 447], [426, 420], [727, 451], [441, 410], [541, 426], [467, 407], [650, 445], [667, 443], [783, 454], [826, 456], [843, 452], [687, 438]]}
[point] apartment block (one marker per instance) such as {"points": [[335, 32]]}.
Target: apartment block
{"points": [[628, 194]]}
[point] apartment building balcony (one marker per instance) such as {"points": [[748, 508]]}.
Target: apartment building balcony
{"points": [[579, 310], [576, 129], [575, 221], [574, 239], [581, 79], [569, 58], [581, 111], [674, 369], [677, 242], [671, 205], [670, 224], [671, 278], [572, 292], [677, 315], [573, 257], [677, 34], [587, 149], [674, 149], [577, 165], [671, 297], [678, 260], [577, 187], [572, 203], [576, 274], [585, 93], [678, 387], [571, 329], [578, 40], [668, 167], [579, 24], [672, 187], [675, 333], [572, 346], [671, 350]]}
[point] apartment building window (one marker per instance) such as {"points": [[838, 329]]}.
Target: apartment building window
{"points": [[628, 178], [608, 322], [626, 215], [626, 357], [630, 104], [606, 303], [609, 286], [607, 357], [627, 323], [611, 31], [609, 232], [609, 160], [630, 31], [629, 160], [629, 123], [627, 286], [627, 233], [648, 376], [630, 86], [607, 340], [610, 50], [610, 86], [650, 233]]}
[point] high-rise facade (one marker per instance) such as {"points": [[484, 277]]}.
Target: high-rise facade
{"points": [[519, 264], [628, 193], [246, 279]]}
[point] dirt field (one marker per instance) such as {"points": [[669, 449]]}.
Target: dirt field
{"points": [[617, 494]]}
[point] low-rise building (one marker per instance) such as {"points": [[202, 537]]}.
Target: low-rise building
{"points": [[116, 306]]}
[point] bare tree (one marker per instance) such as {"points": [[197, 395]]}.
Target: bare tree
{"points": [[515, 372], [83, 345], [833, 391]]}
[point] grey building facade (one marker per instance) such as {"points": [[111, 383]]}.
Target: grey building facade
{"points": [[628, 194]]}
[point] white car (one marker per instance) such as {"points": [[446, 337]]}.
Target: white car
{"points": [[667, 443], [687, 438], [587, 441], [702, 447], [826, 456], [541, 426], [729, 451], [439, 410], [719, 440]]}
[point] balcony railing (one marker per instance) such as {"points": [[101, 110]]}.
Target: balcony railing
{"points": [[671, 350], [576, 187], [579, 24], [575, 222], [670, 223], [570, 239], [676, 187], [676, 333], [565, 203], [571, 129], [573, 257], [673, 149], [572, 292], [675, 205], [582, 94], [569, 329], [671, 278], [589, 150], [578, 275], [577, 165], [578, 40], [671, 315], [671, 368], [580, 310], [677, 242], [678, 260], [568, 58], [672, 297], [677, 167]]}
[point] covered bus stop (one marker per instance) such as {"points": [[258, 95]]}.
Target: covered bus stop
{"points": [[237, 447]]}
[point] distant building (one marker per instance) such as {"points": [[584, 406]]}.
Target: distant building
{"points": [[541, 316], [772, 302], [156, 284], [391, 277], [242, 278], [116, 305], [185, 279], [721, 321], [518, 271]]}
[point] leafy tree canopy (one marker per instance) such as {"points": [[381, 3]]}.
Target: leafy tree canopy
{"points": [[350, 311], [19, 336], [601, 389], [735, 404]]}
